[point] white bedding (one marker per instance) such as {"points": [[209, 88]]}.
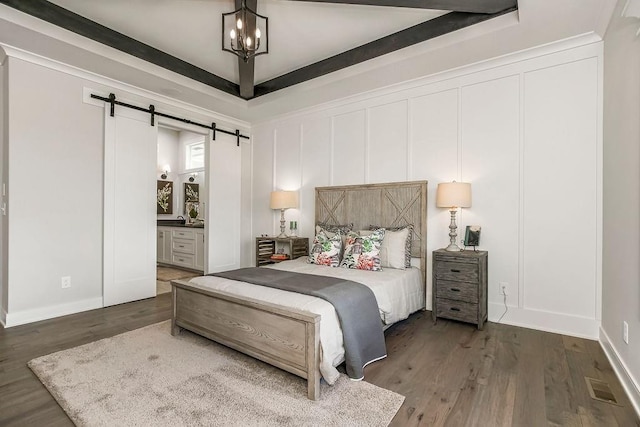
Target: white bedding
{"points": [[398, 293]]}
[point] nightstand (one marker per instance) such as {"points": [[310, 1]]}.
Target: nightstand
{"points": [[460, 286], [294, 247]]}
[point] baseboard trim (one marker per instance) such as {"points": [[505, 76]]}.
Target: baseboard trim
{"points": [[558, 323], [44, 313], [630, 385]]}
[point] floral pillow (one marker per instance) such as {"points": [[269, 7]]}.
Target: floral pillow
{"points": [[326, 250], [363, 252], [332, 229]]}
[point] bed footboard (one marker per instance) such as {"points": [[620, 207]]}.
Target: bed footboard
{"points": [[286, 338]]}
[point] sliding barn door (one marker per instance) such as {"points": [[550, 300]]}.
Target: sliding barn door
{"points": [[223, 220], [129, 207]]}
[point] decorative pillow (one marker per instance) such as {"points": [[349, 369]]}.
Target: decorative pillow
{"points": [[397, 252], [363, 252], [331, 230], [335, 228], [326, 250]]}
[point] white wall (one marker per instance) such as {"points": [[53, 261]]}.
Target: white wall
{"points": [[55, 194], [184, 138], [621, 274], [171, 148], [526, 134], [168, 142]]}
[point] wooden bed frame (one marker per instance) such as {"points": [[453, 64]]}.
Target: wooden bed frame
{"points": [[286, 337]]}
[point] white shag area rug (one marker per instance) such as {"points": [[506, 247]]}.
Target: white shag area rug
{"points": [[148, 377]]}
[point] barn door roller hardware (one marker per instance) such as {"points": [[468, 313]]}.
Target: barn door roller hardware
{"points": [[152, 111]]}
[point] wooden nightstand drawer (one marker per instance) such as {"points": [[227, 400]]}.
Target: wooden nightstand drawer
{"points": [[457, 310], [457, 271], [294, 247], [460, 286], [460, 291]]}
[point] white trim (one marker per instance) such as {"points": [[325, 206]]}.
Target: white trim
{"points": [[599, 181], [14, 52], [44, 313], [3, 318], [331, 152], [521, 176], [559, 323], [367, 144], [630, 384]]}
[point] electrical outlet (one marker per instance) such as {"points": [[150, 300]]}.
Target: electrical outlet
{"points": [[504, 288], [66, 282], [625, 332]]}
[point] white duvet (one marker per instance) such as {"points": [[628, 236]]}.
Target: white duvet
{"points": [[398, 293]]}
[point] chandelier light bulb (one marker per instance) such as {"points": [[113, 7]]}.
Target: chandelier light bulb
{"points": [[245, 33]]}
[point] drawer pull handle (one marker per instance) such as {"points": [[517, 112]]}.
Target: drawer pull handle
{"points": [[454, 309], [181, 246], [454, 289], [454, 270]]}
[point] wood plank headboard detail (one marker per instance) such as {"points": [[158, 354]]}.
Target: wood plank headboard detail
{"points": [[387, 205]]}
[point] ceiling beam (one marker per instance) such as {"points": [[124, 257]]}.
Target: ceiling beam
{"points": [[78, 24], [418, 33], [473, 6], [68, 20], [247, 68]]}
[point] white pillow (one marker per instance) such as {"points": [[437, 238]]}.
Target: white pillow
{"points": [[392, 248]]}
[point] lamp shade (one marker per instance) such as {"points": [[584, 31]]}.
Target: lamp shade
{"points": [[284, 199], [454, 195], [166, 168]]}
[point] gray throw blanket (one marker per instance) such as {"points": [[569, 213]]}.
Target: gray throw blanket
{"points": [[354, 303]]}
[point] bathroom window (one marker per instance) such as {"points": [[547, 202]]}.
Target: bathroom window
{"points": [[194, 156]]}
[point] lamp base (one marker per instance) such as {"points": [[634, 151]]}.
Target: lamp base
{"points": [[453, 248], [453, 235], [282, 234]]}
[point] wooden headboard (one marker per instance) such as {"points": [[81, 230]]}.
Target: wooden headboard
{"points": [[387, 205]]}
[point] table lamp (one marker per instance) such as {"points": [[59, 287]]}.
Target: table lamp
{"points": [[453, 195], [283, 200]]}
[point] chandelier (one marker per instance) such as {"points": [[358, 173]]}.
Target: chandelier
{"points": [[242, 33]]}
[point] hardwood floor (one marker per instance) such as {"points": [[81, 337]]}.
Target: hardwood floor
{"points": [[451, 373], [455, 375], [23, 399]]}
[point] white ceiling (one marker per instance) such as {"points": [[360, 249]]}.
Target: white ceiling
{"points": [[189, 29], [300, 33]]}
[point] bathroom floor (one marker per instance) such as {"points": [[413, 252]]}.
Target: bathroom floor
{"points": [[165, 274]]}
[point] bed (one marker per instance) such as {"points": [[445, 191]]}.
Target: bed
{"points": [[303, 336]]}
